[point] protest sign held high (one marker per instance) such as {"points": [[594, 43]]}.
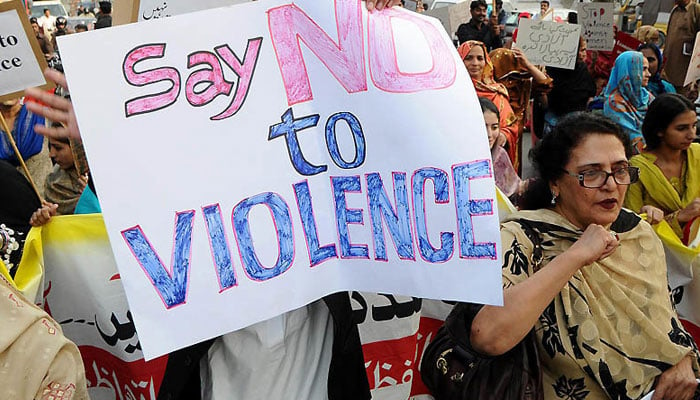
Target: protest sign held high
{"points": [[154, 9], [549, 43], [21, 60], [320, 148], [596, 20]]}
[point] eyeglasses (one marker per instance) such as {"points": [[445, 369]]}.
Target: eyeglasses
{"points": [[596, 178]]}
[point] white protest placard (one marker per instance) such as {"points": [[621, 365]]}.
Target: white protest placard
{"points": [[693, 73], [549, 43], [596, 20], [21, 59], [315, 148]]}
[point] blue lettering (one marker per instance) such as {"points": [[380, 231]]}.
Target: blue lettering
{"points": [[317, 254], [397, 220], [357, 135], [468, 208], [442, 195], [285, 235], [171, 287], [288, 128], [345, 216], [219, 246]]}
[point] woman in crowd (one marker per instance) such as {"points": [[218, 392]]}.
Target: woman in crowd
{"points": [[522, 79], [572, 89], [656, 85], [599, 302], [625, 97], [64, 185], [670, 164], [507, 179], [476, 60]]}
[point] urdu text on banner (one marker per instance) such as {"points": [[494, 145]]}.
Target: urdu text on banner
{"points": [[252, 159]]}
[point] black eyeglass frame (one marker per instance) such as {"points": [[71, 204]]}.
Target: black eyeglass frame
{"points": [[632, 171]]}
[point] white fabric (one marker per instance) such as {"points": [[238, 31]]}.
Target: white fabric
{"points": [[286, 357]]}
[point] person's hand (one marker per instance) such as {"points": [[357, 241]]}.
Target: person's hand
{"points": [[43, 215], [381, 4], [654, 215], [56, 108], [519, 55], [691, 211], [501, 140], [595, 244], [677, 383]]}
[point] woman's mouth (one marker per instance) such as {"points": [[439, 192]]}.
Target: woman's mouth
{"points": [[608, 204]]}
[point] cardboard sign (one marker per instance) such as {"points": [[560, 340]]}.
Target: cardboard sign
{"points": [[316, 148], [596, 20], [693, 73], [549, 43], [21, 59], [451, 17], [624, 42]]}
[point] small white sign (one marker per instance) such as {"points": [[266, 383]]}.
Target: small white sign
{"points": [[21, 61], [596, 20], [549, 43]]}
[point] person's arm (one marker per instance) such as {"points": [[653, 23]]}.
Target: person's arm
{"points": [[495, 330], [537, 74], [462, 33]]}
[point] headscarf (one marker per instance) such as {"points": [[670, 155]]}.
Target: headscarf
{"points": [[656, 84], [626, 101], [487, 86], [28, 142], [647, 34]]}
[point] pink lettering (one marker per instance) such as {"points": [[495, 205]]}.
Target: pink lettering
{"points": [[213, 77], [384, 68], [156, 101], [244, 70], [345, 60]]}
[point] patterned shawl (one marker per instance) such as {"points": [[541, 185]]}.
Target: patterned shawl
{"points": [[626, 101], [612, 329], [36, 360]]}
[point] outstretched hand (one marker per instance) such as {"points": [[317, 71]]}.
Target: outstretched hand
{"points": [[55, 108]]}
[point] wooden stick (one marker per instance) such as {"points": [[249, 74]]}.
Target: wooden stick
{"points": [[8, 132]]}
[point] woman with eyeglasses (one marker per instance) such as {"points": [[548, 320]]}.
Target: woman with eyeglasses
{"points": [[670, 164], [599, 301]]}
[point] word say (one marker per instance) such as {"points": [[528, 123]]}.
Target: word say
{"points": [[406, 221]]}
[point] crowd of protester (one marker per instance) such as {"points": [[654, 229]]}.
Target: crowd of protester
{"points": [[615, 130]]}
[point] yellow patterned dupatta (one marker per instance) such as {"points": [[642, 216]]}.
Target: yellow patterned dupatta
{"points": [[612, 329]]}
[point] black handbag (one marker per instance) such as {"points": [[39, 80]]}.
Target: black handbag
{"points": [[453, 370]]}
